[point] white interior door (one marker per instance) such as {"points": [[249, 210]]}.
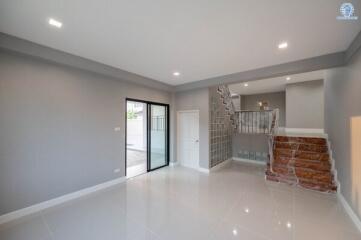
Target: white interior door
{"points": [[188, 138]]}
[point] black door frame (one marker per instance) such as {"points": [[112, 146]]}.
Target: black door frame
{"points": [[148, 103]]}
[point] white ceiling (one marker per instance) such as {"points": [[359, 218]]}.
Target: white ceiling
{"points": [[199, 38], [277, 84]]}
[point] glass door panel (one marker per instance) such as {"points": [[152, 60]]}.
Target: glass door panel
{"points": [[158, 136], [136, 138]]}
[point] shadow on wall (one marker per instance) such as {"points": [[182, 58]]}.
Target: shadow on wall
{"points": [[356, 160]]}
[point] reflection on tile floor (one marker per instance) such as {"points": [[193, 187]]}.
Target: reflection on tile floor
{"points": [[179, 203]]}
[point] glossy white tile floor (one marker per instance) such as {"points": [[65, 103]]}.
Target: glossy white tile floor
{"points": [[179, 203]]}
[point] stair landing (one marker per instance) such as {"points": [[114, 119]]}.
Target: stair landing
{"points": [[302, 161]]}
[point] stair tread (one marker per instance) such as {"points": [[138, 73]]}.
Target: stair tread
{"points": [[301, 147], [330, 188], [323, 170], [304, 143], [306, 140], [299, 161], [300, 179], [301, 154], [303, 150]]}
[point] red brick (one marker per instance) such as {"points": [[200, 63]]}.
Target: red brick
{"points": [[313, 148], [311, 156], [280, 160], [313, 165], [286, 145], [324, 177], [283, 152], [302, 161]]}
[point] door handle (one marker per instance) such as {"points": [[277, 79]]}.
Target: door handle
{"points": [[197, 141]]}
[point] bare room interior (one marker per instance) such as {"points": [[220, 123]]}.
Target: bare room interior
{"points": [[167, 120]]}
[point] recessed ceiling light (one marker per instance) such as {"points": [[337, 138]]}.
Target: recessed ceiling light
{"points": [[283, 45], [235, 232], [55, 23], [288, 78], [246, 84], [176, 74], [289, 225]]}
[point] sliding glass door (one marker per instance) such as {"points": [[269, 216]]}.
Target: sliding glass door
{"points": [[147, 136], [158, 136]]}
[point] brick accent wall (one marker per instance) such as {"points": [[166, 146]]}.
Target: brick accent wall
{"points": [[304, 162]]}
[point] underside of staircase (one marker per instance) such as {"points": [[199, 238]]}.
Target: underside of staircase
{"points": [[302, 161]]}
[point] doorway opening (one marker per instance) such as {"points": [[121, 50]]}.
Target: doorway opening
{"points": [[147, 136], [136, 119]]}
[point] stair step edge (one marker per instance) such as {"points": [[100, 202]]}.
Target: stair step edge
{"points": [[288, 149]]}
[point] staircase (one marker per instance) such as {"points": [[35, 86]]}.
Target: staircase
{"points": [[302, 161], [299, 161], [225, 95]]}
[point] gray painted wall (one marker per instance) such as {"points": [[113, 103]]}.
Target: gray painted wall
{"points": [[275, 100], [342, 119], [197, 100], [305, 105], [57, 129], [237, 102]]}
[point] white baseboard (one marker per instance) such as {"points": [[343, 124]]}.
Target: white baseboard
{"points": [[57, 201], [203, 170], [355, 219], [349, 211], [243, 160], [199, 169], [215, 168], [173, 164], [221, 165]]}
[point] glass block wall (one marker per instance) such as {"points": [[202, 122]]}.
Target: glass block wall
{"points": [[220, 129], [253, 155]]}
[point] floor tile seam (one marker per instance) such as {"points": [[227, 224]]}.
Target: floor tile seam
{"points": [[232, 207], [48, 228], [134, 220], [227, 211], [263, 236], [256, 233]]}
